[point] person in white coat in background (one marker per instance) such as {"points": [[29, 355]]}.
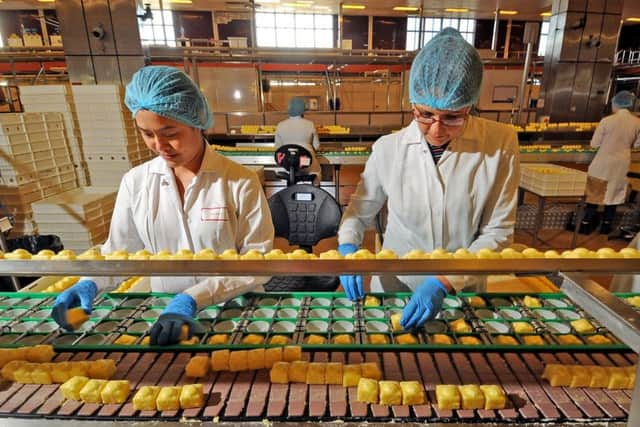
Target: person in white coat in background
{"points": [[188, 197], [614, 137], [299, 131], [627, 282], [449, 179]]}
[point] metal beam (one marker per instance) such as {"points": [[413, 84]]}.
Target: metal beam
{"points": [[608, 310], [316, 267]]}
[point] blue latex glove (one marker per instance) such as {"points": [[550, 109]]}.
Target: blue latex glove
{"points": [[352, 284], [180, 311], [81, 294], [424, 304]]}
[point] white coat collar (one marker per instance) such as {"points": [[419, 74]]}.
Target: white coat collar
{"points": [[209, 162]]}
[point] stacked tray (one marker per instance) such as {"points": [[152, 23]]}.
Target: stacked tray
{"points": [[25, 320]]}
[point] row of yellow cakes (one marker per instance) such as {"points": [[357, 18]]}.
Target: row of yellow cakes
{"points": [[148, 398], [299, 254]]}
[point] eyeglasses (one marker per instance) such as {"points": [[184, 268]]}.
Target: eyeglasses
{"points": [[428, 118]]}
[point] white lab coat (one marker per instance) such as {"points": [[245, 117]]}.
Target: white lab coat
{"points": [[468, 200], [299, 131], [224, 208], [627, 282], [614, 136]]}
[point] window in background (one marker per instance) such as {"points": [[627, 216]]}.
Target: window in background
{"points": [[544, 34], [305, 30], [432, 26], [356, 29], [159, 30], [389, 32]]}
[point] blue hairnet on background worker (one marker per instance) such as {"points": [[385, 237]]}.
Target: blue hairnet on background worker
{"points": [[188, 197], [299, 131], [449, 179], [607, 175]]}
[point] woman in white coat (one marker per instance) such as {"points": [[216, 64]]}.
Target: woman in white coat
{"points": [[449, 179], [189, 197], [614, 137], [299, 131]]}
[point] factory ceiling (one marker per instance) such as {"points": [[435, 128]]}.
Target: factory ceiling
{"points": [[526, 10]]}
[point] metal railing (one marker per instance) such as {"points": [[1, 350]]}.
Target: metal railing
{"points": [[372, 120], [628, 57]]}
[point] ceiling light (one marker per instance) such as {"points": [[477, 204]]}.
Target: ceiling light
{"points": [[296, 5], [545, 14], [267, 1], [405, 9], [46, 1], [633, 19], [457, 9], [353, 6], [508, 12], [180, 1], [304, 1]]}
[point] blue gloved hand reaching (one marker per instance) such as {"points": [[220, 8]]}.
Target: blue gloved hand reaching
{"points": [[81, 294], [352, 284], [425, 303], [179, 312]]}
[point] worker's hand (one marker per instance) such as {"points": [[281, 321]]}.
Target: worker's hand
{"points": [[81, 294], [424, 304], [352, 284], [179, 312]]}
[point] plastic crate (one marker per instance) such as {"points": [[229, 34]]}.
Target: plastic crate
{"points": [[546, 179]]}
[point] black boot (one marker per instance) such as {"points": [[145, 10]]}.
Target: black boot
{"points": [[589, 221], [607, 219]]}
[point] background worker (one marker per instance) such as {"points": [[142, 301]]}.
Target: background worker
{"points": [[300, 131], [607, 175]]}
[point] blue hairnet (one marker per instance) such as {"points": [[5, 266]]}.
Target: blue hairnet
{"points": [[170, 93], [623, 99], [447, 73], [296, 107]]}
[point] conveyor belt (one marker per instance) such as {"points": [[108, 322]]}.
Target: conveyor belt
{"points": [[248, 395], [25, 320]]}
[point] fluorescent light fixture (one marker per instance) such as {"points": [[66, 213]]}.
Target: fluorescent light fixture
{"points": [[456, 9], [180, 1], [46, 1], [296, 5], [545, 14], [405, 9], [304, 1], [508, 12], [353, 6], [633, 19], [267, 1]]}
